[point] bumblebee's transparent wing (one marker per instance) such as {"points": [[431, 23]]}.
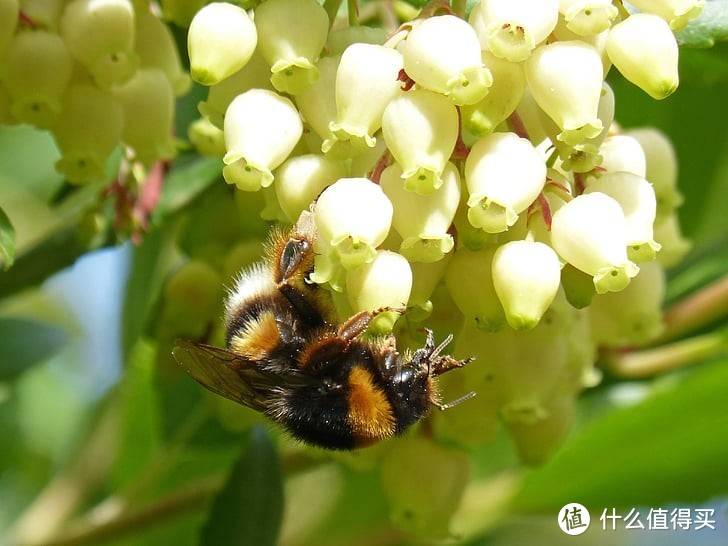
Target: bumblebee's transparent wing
{"points": [[227, 374]]}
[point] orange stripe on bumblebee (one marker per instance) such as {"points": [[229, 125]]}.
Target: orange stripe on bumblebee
{"points": [[370, 413], [257, 338]]}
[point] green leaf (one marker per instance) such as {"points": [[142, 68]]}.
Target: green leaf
{"points": [[7, 240], [24, 343], [149, 265], [249, 507], [709, 27], [671, 447]]}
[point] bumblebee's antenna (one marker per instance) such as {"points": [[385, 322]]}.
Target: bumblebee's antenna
{"points": [[456, 402]]}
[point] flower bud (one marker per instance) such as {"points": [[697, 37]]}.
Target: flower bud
{"points": [[36, 72], [526, 276], [148, 103], [386, 281], [369, 71], [504, 174], [674, 246], [623, 153], [300, 180], [220, 41], [423, 221], [88, 129], [676, 12], [442, 54], [207, 138], [100, 35], [503, 96], [423, 507], [261, 129], [590, 232], [353, 216], [317, 103], [254, 75], [637, 199], [632, 316], [516, 27], [425, 279], [661, 169], [469, 279], [644, 50], [291, 35], [565, 79], [156, 48], [420, 128], [587, 17]]}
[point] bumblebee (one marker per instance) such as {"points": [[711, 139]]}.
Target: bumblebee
{"points": [[287, 357]]}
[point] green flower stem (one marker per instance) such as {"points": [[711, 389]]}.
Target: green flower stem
{"points": [[353, 11], [648, 362], [332, 10], [95, 530], [700, 309]]}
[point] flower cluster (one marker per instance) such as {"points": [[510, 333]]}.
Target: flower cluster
{"points": [[469, 170], [96, 74]]}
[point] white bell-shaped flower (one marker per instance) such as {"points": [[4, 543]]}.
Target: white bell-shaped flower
{"points": [[632, 316], [661, 167], [366, 81], [386, 281], [673, 244], [590, 232], [584, 157], [291, 35], [623, 153], [100, 35], [442, 54], [36, 70], [677, 13], [156, 48], [300, 180], [504, 174], [426, 277], [565, 79], [588, 17], [148, 103], [317, 103], [516, 27], [469, 280], [220, 41], [207, 138], [637, 199], [421, 128], [644, 50], [423, 221], [509, 83], [261, 129], [341, 38], [88, 129], [526, 277], [353, 217]]}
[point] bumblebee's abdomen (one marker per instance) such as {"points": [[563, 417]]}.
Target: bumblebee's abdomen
{"points": [[352, 412]]}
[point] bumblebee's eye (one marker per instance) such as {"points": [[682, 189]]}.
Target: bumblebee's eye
{"points": [[292, 256]]}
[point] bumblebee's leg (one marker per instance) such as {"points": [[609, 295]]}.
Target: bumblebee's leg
{"points": [[330, 347]]}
